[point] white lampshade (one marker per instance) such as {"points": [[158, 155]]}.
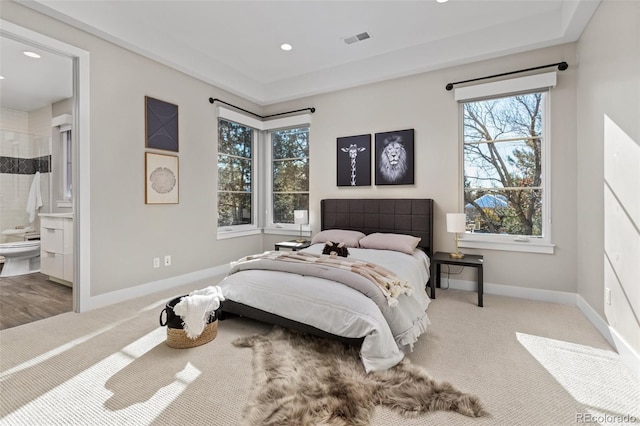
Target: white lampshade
{"points": [[456, 222], [301, 217]]}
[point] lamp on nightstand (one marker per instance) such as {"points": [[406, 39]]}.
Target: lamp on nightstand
{"points": [[456, 223], [301, 217]]}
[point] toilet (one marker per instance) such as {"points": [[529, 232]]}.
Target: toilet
{"points": [[21, 257]]}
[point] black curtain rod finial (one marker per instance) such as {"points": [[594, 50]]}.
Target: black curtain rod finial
{"points": [[449, 86], [563, 66]]}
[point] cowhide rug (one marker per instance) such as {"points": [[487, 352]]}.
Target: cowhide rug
{"points": [[305, 380]]}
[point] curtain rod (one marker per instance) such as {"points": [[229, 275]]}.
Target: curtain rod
{"points": [[211, 100], [561, 66]]}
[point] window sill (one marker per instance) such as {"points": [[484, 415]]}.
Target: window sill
{"points": [[529, 246], [275, 230], [223, 235]]}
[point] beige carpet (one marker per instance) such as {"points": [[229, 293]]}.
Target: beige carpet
{"points": [[530, 363]]}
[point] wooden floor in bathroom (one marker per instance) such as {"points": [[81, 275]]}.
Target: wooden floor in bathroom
{"points": [[31, 297]]}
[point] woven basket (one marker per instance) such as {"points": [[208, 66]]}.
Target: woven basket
{"points": [[177, 337]]}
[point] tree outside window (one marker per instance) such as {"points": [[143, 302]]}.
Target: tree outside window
{"points": [[235, 173], [290, 167], [503, 165]]}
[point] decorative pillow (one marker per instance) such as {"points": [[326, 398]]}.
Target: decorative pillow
{"points": [[335, 249], [349, 238], [397, 242]]}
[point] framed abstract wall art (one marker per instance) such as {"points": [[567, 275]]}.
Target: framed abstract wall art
{"points": [[161, 179], [354, 161], [161, 124], [394, 158]]}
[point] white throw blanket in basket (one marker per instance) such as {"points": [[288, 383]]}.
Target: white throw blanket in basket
{"points": [[195, 309]]}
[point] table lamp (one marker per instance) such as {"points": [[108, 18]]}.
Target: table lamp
{"points": [[301, 217], [456, 223]]}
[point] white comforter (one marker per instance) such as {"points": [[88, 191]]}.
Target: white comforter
{"points": [[341, 310]]}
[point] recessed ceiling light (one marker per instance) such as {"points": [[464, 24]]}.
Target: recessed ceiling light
{"points": [[31, 54], [1, 77], [286, 46], [442, 1]]}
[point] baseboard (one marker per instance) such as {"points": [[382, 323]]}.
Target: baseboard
{"points": [[628, 354], [152, 287], [540, 295], [597, 321]]}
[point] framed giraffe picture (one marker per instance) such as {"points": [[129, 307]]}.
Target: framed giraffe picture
{"points": [[354, 161]]}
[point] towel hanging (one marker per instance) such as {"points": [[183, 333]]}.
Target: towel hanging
{"points": [[34, 202]]}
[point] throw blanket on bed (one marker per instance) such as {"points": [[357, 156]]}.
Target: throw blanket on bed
{"points": [[329, 267]]}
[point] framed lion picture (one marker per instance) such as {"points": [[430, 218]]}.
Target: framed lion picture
{"points": [[394, 158]]}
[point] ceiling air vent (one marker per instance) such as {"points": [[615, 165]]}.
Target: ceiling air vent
{"points": [[356, 38]]}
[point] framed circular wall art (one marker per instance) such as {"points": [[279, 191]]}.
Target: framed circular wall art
{"points": [[161, 177]]}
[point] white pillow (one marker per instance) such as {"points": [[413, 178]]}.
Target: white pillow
{"points": [[397, 242], [349, 238]]}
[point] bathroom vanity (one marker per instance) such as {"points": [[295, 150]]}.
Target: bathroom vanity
{"points": [[56, 246]]}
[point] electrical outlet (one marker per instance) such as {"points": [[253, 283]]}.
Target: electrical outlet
{"points": [[156, 262], [167, 260], [607, 295]]}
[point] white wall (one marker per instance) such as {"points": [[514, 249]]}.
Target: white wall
{"points": [[608, 163], [422, 103]]}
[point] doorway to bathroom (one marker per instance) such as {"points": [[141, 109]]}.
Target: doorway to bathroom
{"points": [[39, 122]]}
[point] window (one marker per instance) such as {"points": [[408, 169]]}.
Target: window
{"points": [[64, 158], [235, 174], [263, 173], [505, 180], [290, 173], [67, 159], [503, 165]]}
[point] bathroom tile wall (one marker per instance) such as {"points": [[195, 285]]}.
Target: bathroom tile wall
{"points": [[22, 153], [13, 121], [25, 166]]}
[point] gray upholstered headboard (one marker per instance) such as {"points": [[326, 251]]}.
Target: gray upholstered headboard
{"points": [[412, 216]]}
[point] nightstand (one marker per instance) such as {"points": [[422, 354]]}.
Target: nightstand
{"points": [[471, 260], [292, 245]]}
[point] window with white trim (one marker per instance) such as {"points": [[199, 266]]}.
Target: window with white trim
{"points": [[63, 123], [68, 164], [263, 173], [235, 175], [289, 173], [505, 162]]}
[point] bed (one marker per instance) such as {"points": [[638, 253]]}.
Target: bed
{"points": [[326, 308]]}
